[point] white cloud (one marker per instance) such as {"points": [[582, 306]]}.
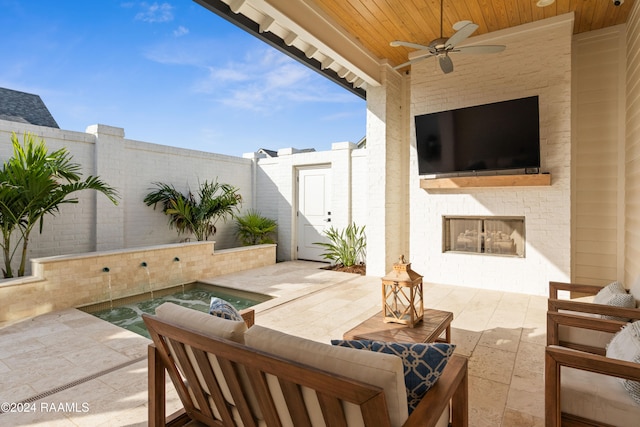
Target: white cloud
{"points": [[262, 80], [155, 12], [180, 31], [266, 81]]}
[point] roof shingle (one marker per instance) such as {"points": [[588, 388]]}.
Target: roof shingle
{"points": [[24, 107]]}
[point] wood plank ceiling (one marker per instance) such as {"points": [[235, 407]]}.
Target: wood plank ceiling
{"points": [[375, 23]]}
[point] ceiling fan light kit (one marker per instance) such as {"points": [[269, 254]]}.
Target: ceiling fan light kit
{"points": [[441, 47]]}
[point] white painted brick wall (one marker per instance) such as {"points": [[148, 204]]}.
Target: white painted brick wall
{"points": [[537, 61], [71, 230], [276, 189], [186, 170], [388, 152], [359, 186], [131, 167]]}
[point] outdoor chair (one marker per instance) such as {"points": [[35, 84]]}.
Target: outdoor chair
{"points": [[221, 381], [581, 304], [585, 389]]}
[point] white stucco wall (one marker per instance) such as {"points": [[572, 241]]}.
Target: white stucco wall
{"points": [[519, 72]]}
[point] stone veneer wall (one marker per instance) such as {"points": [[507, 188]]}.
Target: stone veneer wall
{"points": [[78, 280], [526, 68]]}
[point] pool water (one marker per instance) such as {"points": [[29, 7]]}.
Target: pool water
{"points": [[129, 316]]}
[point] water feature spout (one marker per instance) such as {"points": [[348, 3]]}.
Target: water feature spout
{"points": [[143, 264], [180, 280], [107, 270]]}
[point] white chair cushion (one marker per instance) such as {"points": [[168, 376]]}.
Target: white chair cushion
{"points": [[379, 369], [597, 397]]}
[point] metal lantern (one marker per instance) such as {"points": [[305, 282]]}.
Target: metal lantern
{"points": [[402, 295]]}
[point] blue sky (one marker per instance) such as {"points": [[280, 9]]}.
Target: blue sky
{"points": [[171, 73]]}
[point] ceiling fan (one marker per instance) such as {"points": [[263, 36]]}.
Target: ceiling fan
{"points": [[441, 47]]}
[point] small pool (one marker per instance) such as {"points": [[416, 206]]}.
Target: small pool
{"points": [[127, 312]]}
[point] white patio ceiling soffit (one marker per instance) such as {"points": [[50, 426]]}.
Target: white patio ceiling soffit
{"points": [[307, 34]]}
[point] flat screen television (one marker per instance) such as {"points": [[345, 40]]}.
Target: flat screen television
{"points": [[493, 137]]}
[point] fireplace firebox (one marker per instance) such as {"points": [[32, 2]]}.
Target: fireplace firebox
{"points": [[501, 236]]}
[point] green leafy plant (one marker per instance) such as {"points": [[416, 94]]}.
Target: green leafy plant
{"points": [[346, 247], [33, 184], [254, 229], [197, 214]]}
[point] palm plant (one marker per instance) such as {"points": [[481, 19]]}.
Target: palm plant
{"points": [[254, 229], [346, 247], [195, 214], [33, 184]]}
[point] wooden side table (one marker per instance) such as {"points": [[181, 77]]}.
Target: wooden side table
{"points": [[433, 324]]}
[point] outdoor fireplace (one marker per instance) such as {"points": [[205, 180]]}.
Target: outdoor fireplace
{"points": [[502, 236]]}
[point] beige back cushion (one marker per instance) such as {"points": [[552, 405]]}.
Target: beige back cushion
{"points": [[379, 369], [213, 326], [202, 322], [583, 336]]}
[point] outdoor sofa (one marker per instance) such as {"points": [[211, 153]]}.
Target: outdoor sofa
{"points": [[228, 375]]}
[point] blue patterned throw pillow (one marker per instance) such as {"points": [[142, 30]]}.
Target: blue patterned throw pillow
{"points": [[223, 309], [357, 344], [423, 365]]}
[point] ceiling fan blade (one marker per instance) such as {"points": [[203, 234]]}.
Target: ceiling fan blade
{"points": [[458, 25], [422, 53], [446, 64], [488, 48], [461, 34], [397, 67], [397, 43]]}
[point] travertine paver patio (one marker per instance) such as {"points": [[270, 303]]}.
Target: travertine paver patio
{"points": [[502, 333]]}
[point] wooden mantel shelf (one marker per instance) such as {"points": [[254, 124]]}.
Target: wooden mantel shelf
{"points": [[525, 180]]}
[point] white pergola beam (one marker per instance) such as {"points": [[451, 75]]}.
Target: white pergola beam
{"points": [[236, 5]]}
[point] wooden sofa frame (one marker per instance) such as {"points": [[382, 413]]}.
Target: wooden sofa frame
{"points": [[556, 305], [331, 390], [557, 356]]}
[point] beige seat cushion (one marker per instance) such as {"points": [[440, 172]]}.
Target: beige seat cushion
{"points": [[382, 370], [597, 397]]}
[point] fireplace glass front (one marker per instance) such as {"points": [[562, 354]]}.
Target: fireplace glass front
{"points": [[484, 235]]}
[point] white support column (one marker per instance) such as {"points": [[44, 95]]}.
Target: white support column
{"points": [[109, 150], [388, 160]]}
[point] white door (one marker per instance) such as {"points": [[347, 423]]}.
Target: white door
{"points": [[314, 211]]}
